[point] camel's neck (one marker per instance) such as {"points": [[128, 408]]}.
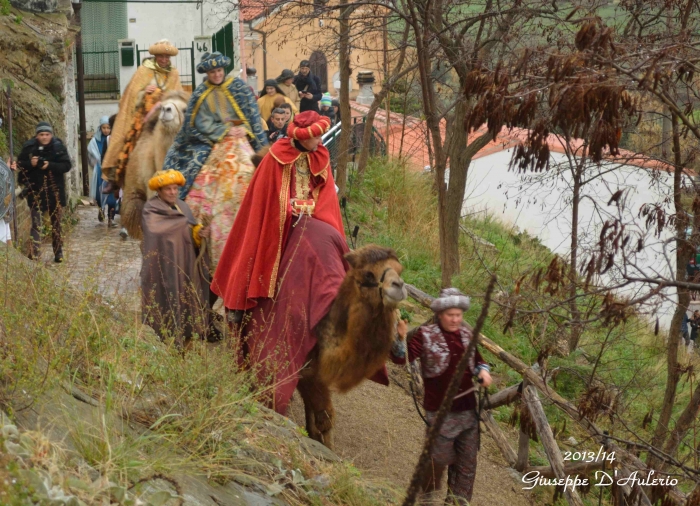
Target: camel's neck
{"points": [[366, 322]]}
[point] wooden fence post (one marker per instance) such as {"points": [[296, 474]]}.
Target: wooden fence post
{"points": [[523, 445], [544, 431], [499, 438]]}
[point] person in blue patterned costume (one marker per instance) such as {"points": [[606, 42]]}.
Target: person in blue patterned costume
{"points": [[220, 139], [220, 107]]}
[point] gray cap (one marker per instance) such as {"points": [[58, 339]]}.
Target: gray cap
{"points": [[450, 298], [305, 63], [43, 126]]}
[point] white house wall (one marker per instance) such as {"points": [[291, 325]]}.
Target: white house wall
{"points": [[540, 204], [177, 22]]}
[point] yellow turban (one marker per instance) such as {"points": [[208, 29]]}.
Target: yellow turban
{"points": [[164, 178], [163, 46]]}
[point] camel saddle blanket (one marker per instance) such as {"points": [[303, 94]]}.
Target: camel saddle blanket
{"points": [[219, 188], [280, 334]]}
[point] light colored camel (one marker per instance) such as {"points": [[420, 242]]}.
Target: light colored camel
{"points": [[354, 338], [148, 156]]}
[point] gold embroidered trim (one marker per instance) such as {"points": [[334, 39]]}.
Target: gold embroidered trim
{"points": [[302, 179], [284, 196], [282, 162], [323, 173]]}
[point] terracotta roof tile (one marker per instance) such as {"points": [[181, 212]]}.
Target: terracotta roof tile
{"points": [[413, 147], [254, 9]]}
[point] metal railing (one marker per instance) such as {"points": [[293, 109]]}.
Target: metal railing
{"points": [[331, 140], [101, 72]]}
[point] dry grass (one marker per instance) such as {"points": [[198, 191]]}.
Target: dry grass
{"points": [[198, 413]]}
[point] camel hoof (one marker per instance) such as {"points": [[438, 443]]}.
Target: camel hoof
{"points": [[327, 439]]}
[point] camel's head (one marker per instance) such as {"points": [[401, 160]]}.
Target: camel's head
{"points": [[377, 271], [171, 111]]}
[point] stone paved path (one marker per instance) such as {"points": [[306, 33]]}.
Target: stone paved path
{"points": [[96, 256]]}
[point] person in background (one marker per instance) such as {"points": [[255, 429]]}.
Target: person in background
{"points": [[268, 96], [327, 108], [335, 104], [685, 331], [286, 83], [97, 148], [42, 164], [694, 323], [309, 87], [440, 346], [174, 289], [287, 112], [278, 125], [5, 229]]}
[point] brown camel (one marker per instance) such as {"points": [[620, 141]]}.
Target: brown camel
{"points": [[162, 125], [354, 338]]}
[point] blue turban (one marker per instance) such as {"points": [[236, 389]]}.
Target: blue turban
{"points": [[212, 61]]}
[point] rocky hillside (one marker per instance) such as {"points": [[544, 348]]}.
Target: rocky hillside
{"points": [[36, 53]]}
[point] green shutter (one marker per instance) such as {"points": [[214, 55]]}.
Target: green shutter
{"points": [[222, 41], [102, 24]]}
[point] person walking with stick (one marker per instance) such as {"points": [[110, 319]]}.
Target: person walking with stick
{"points": [[440, 346]]}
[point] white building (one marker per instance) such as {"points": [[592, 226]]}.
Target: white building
{"points": [[540, 204]]}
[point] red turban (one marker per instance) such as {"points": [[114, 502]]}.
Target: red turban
{"points": [[308, 124]]}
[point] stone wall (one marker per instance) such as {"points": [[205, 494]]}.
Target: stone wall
{"points": [[45, 6]]}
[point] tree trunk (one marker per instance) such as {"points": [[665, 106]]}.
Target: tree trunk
{"points": [[376, 104], [346, 124], [573, 260], [685, 421], [419, 17], [367, 132], [674, 336], [460, 156]]}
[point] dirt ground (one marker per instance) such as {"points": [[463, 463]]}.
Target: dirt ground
{"points": [[379, 431]]}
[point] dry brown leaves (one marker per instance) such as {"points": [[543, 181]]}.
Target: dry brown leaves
{"points": [[596, 401], [521, 415]]}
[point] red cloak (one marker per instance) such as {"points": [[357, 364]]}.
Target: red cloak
{"points": [[249, 264], [280, 333]]}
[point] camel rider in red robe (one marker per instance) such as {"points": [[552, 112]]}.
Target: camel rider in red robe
{"points": [[284, 258], [293, 180]]}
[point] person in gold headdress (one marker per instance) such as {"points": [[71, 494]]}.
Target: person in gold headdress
{"points": [[174, 283], [154, 77]]}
